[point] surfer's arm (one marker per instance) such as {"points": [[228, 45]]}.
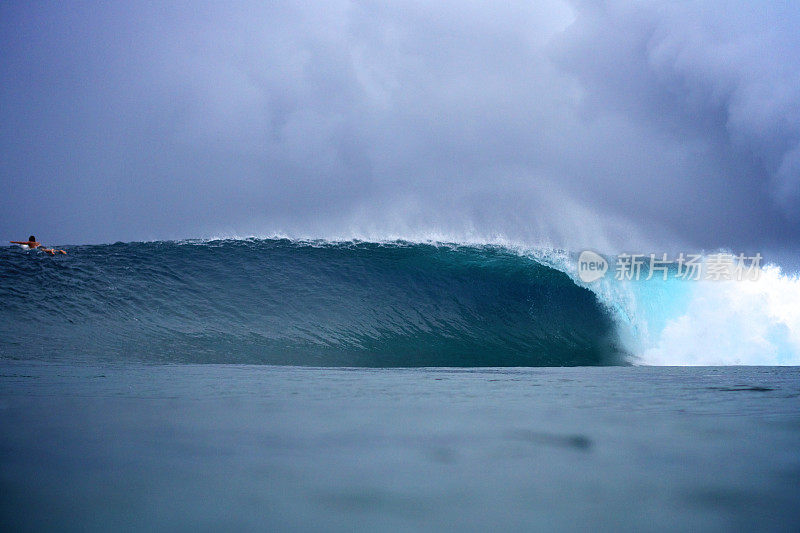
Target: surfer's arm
{"points": [[18, 242]]}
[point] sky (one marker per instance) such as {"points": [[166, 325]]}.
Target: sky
{"points": [[639, 125]]}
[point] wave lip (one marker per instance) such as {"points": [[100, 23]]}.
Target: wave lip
{"points": [[279, 301]]}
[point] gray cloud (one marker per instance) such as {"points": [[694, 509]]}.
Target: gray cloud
{"points": [[719, 77], [609, 124]]}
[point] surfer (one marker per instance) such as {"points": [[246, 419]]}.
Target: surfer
{"points": [[32, 243]]}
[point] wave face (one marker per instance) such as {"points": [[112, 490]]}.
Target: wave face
{"points": [[300, 303]]}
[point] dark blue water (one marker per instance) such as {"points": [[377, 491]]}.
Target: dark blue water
{"points": [[299, 303], [186, 447]]}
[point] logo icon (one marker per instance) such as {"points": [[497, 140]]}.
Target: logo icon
{"points": [[591, 266]]}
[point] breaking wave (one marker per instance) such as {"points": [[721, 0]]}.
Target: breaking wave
{"points": [[279, 301], [379, 304]]}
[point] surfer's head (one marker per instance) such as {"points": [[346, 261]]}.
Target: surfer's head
{"points": [[31, 239]]}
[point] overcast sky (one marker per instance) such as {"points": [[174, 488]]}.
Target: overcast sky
{"points": [[612, 125]]}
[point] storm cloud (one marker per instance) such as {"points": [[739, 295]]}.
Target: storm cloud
{"points": [[612, 125]]}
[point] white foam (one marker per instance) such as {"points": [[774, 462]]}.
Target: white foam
{"points": [[698, 323], [732, 323]]}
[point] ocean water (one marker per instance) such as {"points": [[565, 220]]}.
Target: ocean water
{"points": [[256, 447], [312, 385], [299, 303]]}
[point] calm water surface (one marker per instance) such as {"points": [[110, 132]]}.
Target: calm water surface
{"points": [[187, 447]]}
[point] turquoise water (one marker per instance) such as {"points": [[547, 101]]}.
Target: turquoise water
{"points": [[134, 446]]}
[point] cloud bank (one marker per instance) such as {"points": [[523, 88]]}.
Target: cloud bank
{"points": [[611, 125]]}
